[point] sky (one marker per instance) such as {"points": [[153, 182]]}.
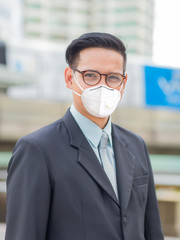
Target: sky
{"points": [[167, 33]]}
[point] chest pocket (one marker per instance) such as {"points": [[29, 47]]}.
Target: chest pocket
{"points": [[140, 190], [141, 180]]}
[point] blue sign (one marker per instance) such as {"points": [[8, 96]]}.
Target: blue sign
{"points": [[162, 86]]}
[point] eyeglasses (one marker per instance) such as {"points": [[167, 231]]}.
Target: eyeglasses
{"points": [[91, 78]]}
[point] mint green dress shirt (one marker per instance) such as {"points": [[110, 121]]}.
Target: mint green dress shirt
{"points": [[93, 134]]}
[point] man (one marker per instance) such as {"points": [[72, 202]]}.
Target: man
{"points": [[82, 177]]}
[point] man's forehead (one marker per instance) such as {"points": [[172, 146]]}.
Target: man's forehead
{"points": [[99, 56]]}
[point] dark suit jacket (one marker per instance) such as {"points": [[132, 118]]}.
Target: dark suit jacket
{"points": [[57, 189]]}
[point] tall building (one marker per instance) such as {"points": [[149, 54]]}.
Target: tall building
{"points": [[131, 20], [62, 20], [57, 20]]}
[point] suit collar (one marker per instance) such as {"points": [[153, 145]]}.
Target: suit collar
{"points": [[75, 133], [87, 127], [87, 158]]}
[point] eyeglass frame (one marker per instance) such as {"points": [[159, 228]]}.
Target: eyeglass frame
{"points": [[100, 74]]}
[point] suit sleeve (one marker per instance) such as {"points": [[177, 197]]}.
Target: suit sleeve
{"points": [[28, 193], [153, 230]]}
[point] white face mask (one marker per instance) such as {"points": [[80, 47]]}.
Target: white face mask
{"points": [[99, 101]]}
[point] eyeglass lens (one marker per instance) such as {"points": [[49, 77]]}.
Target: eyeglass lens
{"points": [[92, 78]]}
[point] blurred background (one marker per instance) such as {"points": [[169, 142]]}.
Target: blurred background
{"points": [[33, 37]]}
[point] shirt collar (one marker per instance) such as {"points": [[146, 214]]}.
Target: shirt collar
{"points": [[91, 130]]}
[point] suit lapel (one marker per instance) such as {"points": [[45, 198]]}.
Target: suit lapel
{"points": [[87, 158], [125, 165], [90, 163]]}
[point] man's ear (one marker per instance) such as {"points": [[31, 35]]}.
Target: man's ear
{"points": [[125, 80], [68, 75], [124, 84]]}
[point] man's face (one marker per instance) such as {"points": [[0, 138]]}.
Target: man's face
{"points": [[99, 59]]}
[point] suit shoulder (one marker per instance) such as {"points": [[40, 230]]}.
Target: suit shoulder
{"points": [[127, 135], [45, 133]]}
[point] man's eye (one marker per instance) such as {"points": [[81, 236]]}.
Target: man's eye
{"points": [[90, 75], [114, 78]]}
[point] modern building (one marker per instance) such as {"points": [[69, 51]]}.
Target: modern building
{"points": [[55, 20], [52, 24], [62, 20]]}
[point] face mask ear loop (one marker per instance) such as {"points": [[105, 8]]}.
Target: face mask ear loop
{"points": [[77, 82], [120, 87], [78, 86], [77, 93]]}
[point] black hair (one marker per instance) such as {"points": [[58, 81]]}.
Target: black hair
{"points": [[94, 39]]}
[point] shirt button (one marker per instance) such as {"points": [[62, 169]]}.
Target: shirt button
{"points": [[124, 219]]}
